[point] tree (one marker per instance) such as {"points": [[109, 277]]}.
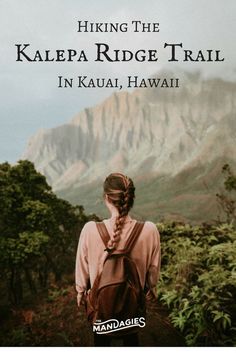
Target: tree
{"points": [[18, 255], [227, 200], [38, 230]]}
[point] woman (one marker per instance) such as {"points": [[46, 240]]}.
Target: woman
{"points": [[119, 198]]}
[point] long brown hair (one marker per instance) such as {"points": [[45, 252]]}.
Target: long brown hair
{"points": [[120, 191]]}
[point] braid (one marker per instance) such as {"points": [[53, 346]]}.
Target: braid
{"points": [[120, 191]]}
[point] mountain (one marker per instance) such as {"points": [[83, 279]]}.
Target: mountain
{"points": [[172, 142]]}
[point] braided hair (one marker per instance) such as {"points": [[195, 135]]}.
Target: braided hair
{"points": [[120, 192]]}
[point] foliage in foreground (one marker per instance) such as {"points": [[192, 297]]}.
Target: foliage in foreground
{"points": [[38, 238], [198, 282], [38, 232]]}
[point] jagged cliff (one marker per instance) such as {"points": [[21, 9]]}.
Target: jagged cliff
{"points": [[147, 134]]}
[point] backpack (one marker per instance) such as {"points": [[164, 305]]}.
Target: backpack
{"points": [[117, 292]]}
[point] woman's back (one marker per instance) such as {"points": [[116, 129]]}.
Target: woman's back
{"points": [[145, 253], [93, 255]]}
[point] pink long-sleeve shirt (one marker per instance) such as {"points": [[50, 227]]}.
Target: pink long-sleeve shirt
{"points": [[146, 253]]}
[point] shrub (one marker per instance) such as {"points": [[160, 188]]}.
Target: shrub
{"points": [[198, 281]]}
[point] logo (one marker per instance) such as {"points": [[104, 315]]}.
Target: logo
{"points": [[112, 325]]}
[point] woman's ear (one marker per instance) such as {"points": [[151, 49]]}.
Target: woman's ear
{"points": [[106, 201], [106, 198]]}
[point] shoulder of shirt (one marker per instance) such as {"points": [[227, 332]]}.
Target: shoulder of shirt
{"points": [[90, 223], [150, 226], [88, 227]]}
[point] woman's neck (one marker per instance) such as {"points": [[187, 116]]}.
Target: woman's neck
{"points": [[115, 215]]}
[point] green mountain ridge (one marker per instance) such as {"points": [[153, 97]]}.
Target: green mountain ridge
{"points": [[173, 143], [190, 196]]}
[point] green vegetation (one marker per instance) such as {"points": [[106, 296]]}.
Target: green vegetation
{"points": [[227, 198], [38, 232], [198, 282], [38, 241], [198, 275]]}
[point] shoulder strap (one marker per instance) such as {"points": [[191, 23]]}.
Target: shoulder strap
{"points": [[131, 240], [102, 229], [133, 236]]}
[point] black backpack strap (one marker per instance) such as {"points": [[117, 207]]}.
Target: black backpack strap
{"points": [[103, 232]]}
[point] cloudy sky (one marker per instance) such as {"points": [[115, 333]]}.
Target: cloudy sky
{"points": [[30, 98]]}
